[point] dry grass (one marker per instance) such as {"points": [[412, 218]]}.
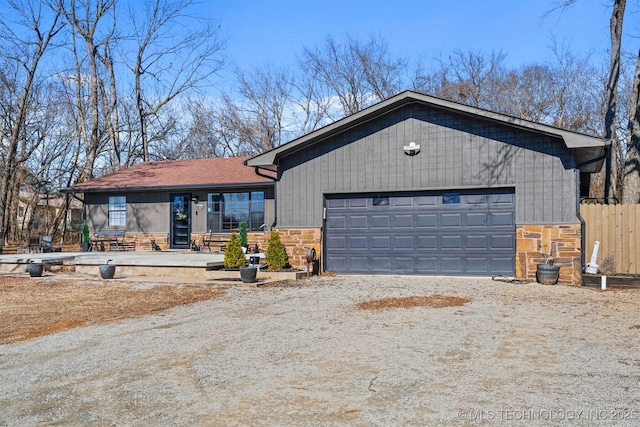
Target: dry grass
{"points": [[433, 301], [32, 307]]}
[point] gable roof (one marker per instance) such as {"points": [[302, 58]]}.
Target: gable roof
{"points": [[176, 174], [589, 150]]}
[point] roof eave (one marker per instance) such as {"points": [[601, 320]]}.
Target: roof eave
{"points": [[166, 188]]}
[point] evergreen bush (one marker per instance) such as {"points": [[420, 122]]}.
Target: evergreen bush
{"points": [[244, 242], [85, 232], [233, 255], [276, 254]]}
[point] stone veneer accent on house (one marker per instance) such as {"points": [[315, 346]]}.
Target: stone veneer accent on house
{"points": [[564, 240], [142, 241], [295, 240]]}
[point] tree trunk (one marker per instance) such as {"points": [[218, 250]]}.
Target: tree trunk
{"points": [[615, 26], [631, 187]]}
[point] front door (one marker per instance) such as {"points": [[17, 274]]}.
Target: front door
{"points": [[180, 221]]}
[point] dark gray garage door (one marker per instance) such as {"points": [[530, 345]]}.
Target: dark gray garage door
{"points": [[453, 233]]}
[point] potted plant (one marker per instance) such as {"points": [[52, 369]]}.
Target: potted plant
{"points": [[235, 259], [276, 254], [107, 271], [35, 269], [85, 245], [547, 273], [244, 242]]}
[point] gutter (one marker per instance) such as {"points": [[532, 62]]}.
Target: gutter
{"points": [[275, 193]]}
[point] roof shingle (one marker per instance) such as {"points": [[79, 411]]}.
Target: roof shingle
{"points": [[176, 174]]}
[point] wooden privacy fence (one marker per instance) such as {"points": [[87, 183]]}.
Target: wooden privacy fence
{"points": [[617, 228]]}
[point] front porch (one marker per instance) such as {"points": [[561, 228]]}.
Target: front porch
{"points": [[178, 264]]}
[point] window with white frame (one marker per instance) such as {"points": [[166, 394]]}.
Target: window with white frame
{"points": [[117, 211]]}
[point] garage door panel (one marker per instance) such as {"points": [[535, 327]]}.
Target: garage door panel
{"points": [[380, 243], [502, 241], [403, 264], [451, 265], [501, 265], [426, 243], [451, 242], [381, 264], [337, 242], [476, 199], [338, 222], [357, 203], [403, 242], [477, 242], [476, 219], [427, 265], [477, 265], [358, 221], [450, 232], [381, 221], [502, 219], [336, 203], [426, 200], [338, 263], [358, 243], [426, 221], [451, 220], [403, 221]]}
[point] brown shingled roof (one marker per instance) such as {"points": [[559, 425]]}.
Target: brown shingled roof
{"points": [[176, 174]]}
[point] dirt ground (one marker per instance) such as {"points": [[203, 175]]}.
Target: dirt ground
{"points": [[32, 307], [339, 351]]}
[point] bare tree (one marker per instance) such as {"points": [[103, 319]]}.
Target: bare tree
{"points": [[85, 18], [357, 73], [631, 188], [22, 52], [167, 63], [611, 94]]}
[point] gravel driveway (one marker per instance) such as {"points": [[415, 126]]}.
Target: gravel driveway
{"points": [[517, 354]]}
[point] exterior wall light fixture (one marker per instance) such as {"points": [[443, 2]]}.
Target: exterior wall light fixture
{"points": [[412, 149]]}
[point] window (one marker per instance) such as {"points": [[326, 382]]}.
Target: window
{"points": [[20, 211], [380, 201], [225, 211], [117, 211], [451, 198]]}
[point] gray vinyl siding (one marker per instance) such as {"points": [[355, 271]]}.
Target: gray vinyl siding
{"points": [[149, 212], [457, 152]]}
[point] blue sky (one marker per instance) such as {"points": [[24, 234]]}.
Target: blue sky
{"points": [[261, 31]]}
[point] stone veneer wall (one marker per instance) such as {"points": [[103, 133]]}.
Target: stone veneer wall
{"points": [[143, 240], [532, 241]]}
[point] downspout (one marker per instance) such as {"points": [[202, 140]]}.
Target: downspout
{"points": [[275, 194], [583, 225]]}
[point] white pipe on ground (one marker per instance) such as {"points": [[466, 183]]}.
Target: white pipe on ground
{"points": [[603, 283], [592, 267]]}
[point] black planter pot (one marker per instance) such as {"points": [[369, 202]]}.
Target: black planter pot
{"points": [[35, 269], [547, 274], [107, 271], [248, 274], [86, 247]]}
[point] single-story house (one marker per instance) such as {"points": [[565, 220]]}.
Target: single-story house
{"points": [[411, 185], [174, 202]]}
